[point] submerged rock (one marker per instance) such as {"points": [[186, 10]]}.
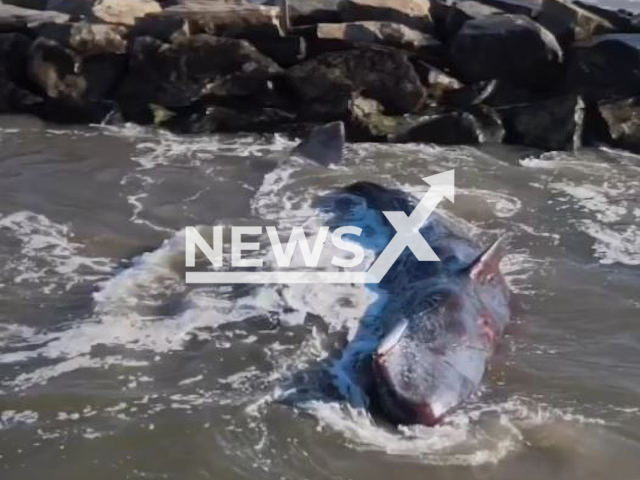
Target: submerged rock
{"points": [[555, 124], [607, 66], [412, 13], [194, 68], [616, 123], [570, 23], [507, 47], [325, 83], [474, 126], [87, 38]]}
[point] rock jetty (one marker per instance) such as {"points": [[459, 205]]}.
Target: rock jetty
{"points": [[549, 74]]}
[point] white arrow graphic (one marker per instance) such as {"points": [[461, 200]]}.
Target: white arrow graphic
{"points": [[408, 228]]}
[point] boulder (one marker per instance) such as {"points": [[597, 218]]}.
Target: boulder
{"points": [[437, 83], [342, 36], [368, 123], [507, 47], [617, 123], [124, 12], [14, 18], [191, 70], [570, 23], [623, 21], [285, 51], [494, 93], [164, 28], [461, 12], [87, 38], [474, 126], [325, 84], [530, 8], [14, 50], [205, 119], [310, 12], [31, 4], [222, 19], [555, 124], [605, 67], [64, 75], [412, 13]]}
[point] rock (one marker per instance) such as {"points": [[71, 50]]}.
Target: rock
{"points": [[285, 51], [166, 29], [212, 118], [87, 38], [368, 123], [14, 50], [13, 19], [342, 36], [461, 12], [555, 124], [570, 23], [64, 75], [623, 21], [30, 4], [617, 123], [311, 12], [529, 8], [193, 69], [324, 84], [124, 12], [412, 13], [247, 21], [438, 84], [605, 67], [507, 47], [480, 125], [494, 93]]}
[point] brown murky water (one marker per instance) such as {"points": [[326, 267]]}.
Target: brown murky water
{"points": [[110, 367]]}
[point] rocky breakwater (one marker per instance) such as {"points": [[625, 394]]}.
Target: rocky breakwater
{"points": [[549, 74]]}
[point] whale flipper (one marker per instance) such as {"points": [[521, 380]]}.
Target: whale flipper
{"points": [[324, 146]]}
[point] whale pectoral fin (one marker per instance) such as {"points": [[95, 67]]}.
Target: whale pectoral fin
{"points": [[324, 145], [391, 339], [487, 266]]}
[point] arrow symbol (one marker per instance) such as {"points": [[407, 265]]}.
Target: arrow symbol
{"points": [[408, 228]]}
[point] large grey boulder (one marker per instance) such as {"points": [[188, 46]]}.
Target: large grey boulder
{"points": [[199, 68], [509, 47], [87, 38], [461, 12], [606, 66], [412, 13], [570, 23], [554, 124], [530, 8], [222, 19], [326, 83]]}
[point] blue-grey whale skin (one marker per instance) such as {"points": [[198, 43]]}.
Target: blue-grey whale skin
{"points": [[444, 318]]}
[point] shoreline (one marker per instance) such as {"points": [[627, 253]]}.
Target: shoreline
{"points": [[547, 74]]}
